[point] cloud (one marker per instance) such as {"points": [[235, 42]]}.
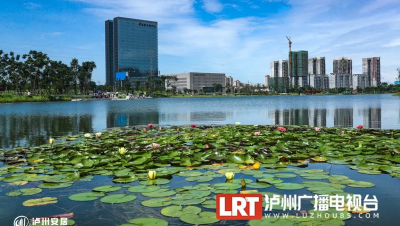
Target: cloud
{"points": [[244, 46], [212, 6], [31, 5]]}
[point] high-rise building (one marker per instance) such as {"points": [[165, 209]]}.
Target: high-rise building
{"points": [[229, 81], [279, 80], [316, 66], [372, 68], [202, 82], [342, 65], [299, 68], [131, 46], [266, 82], [360, 80], [340, 81]]}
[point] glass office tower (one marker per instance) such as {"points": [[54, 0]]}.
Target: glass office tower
{"points": [[134, 49]]}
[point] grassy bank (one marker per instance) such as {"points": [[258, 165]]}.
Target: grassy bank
{"points": [[12, 98]]}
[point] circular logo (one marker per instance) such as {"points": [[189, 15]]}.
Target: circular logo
{"points": [[21, 221]]}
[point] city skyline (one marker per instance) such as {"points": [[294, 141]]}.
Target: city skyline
{"points": [[238, 38]]}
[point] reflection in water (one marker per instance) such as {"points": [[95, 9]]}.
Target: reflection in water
{"points": [[33, 123], [33, 130], [343, 117]]}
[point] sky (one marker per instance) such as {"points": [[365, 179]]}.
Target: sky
{"points": [[236, 37]]}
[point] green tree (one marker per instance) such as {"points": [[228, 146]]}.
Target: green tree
{"points": [[75, 68]]}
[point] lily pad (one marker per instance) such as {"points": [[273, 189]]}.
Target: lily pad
{"points": [[118, 198], [159, 193], [159, 202], [86, 196], [361, 184], [177, 211], [106, 188], [289, 186], [40, 202], [25, 192], [143, 188], [199, 219], [147, 221]]}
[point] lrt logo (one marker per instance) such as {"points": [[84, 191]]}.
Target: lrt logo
{"points": [[239, 206]]}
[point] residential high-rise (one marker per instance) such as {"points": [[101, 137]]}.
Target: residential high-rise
{"points": [[316, 66], [372, 68], [342, 65], [299, 68], [279, 80], [131, 46], [229, 81]]}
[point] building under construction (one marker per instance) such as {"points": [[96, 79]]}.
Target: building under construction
{"points": [[299, 68], [342, 65], [316, 66], [372, 68]]}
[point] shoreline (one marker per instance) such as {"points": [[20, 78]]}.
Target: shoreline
{"points": [[69, 98]]}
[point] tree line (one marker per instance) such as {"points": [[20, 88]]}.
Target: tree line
{"points": [[35, 72]]}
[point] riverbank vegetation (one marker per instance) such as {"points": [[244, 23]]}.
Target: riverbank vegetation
{"points": [[200, 162], [37, 74]]}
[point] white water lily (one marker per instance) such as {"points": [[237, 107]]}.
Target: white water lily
{"points": [[51, 141], [122, 151], [98, 135], [87, 135], [152, 175]]}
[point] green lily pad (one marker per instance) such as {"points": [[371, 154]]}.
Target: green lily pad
{"points": [[199, 219], [177, 211], [270, 180], [159, 193], [54, 185], [118, 198], [147, 221], [106, 188], [209, 204], [361, 184], [258, 185], [86, 196], [143, 188], [289, 186], [285, 175], [159, 202], [25, 192]]}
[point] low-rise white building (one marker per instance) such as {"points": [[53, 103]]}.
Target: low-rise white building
{"points": [[202, 82]]}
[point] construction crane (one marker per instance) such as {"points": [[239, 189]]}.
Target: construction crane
{"points": [[290, 58]]}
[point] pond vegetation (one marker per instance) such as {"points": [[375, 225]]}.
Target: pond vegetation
{"points": [[142, 162]]}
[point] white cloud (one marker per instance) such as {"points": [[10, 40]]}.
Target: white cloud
{"points": [[243, 46], [212, 6], [31, 5], [52, 34]]}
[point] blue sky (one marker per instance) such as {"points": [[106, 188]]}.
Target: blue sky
{"points": [[237, 37]]}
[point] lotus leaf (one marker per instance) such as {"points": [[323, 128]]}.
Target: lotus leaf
{"points": [[40, 202], [177, 211]]}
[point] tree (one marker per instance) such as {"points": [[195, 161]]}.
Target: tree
{"points": [[75, 68], [36, 63], [398, 70], [85, 75], [137, 85], [174, 90]]}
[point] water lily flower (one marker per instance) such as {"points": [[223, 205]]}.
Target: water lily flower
{"points": [[360, 126], [243, 182], [160, 128], [238, 123], [229, 175], [342, 132], [144, 130], [207, 146], [152, 175], [155, 146], [122, 151], [150, 125], [193, 125], [87, 135], [51, 141], [256, 166], [98, 135], [257, 133], [317, 129], [282, 129]]}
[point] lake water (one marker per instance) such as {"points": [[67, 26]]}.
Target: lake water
{"points": [[33, 123]]}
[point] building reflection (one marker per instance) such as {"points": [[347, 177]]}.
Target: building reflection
{"points": [[343, 117], [34, 130], [372, 118], [117, 119], [188, 117]]}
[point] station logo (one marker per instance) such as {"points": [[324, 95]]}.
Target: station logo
{"points": [[21, 221], [239, 207]]}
